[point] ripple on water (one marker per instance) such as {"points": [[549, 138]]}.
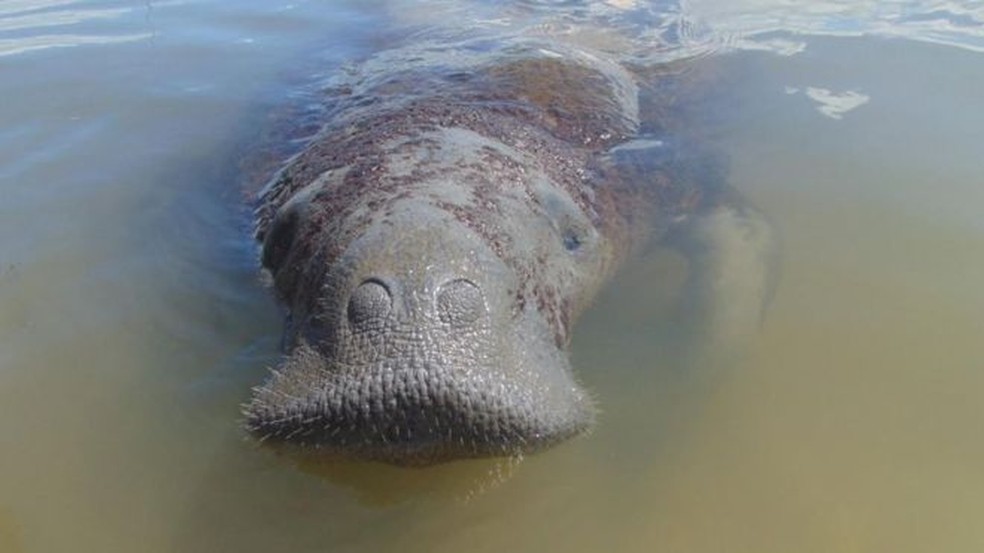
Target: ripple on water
{"points": [[27, 26]]}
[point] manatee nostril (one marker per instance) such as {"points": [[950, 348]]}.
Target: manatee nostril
{"points": [[459, 302], [370, 301]]}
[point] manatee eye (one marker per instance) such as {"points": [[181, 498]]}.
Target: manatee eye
{"points": [[572, 240], [280, 237], [571, 226]]}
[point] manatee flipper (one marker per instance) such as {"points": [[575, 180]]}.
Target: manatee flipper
{"points": [[733, 253], [732, 249]]}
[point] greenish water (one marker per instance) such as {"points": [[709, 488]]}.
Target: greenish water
{"points": [[133, 320]]}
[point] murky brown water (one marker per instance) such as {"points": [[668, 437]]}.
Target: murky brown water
{"points": [[133, 321]]}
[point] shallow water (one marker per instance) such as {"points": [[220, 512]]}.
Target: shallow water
{"points": [[133, 320]]}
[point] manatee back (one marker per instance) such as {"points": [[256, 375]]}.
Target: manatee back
{"points": [[589, 81], [561, 105]]}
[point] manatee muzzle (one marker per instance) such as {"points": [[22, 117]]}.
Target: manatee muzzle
{"points": [[419, 352]]}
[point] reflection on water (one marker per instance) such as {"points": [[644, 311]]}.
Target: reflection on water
{"points": [[133, 322], [28, 25], [753, 24]]}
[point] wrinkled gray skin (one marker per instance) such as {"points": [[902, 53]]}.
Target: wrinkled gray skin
{"points": [[435, 243]]}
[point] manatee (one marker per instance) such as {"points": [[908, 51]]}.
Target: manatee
{"points": [[436, 241]]}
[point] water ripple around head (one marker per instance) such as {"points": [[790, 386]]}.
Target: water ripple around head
{"points": [[781, 27], [30, 25]]}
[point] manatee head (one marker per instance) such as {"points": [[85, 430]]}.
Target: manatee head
{"points": [[415, 337]]}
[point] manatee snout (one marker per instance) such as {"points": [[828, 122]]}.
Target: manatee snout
{"points": [[416, 352]]}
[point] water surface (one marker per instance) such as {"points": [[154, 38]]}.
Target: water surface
{"points": [[133, 319]]}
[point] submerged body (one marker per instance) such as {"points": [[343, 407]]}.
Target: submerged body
{"points": [[437, 240]]}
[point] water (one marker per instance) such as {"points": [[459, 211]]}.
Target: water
{"points": [[133, 320]]}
